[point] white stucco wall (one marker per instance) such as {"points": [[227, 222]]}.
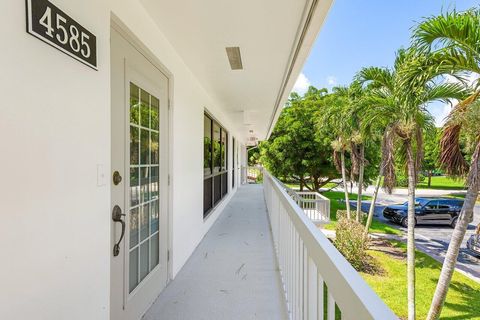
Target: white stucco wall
{"points": [[55, 131]]}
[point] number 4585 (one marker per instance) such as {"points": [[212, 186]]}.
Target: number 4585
{"points": [[78, 41]]}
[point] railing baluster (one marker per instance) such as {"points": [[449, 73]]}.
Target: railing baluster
{"points": [[331, 306], [306, 260], [320, 297]]}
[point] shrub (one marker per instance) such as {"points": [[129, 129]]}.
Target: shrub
{"points": [[342, 214], [352, 244]]}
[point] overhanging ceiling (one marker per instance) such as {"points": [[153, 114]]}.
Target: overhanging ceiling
{"points": [[274, 38]]}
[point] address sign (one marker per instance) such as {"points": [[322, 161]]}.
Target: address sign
{"points": [[53, 26]]}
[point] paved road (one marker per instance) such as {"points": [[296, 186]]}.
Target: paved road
{"points": [[432, 239]]}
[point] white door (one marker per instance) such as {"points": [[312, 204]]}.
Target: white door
{"points": [[139, 115]]}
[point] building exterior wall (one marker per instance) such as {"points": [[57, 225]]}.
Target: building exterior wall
{"points": [[55, 129]]}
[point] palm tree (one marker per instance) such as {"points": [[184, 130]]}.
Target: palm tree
{"points": [[454, 40], [404, 104], [333, 114], [356, 140]]}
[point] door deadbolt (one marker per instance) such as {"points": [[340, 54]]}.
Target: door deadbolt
{"points": [[117, 178]]}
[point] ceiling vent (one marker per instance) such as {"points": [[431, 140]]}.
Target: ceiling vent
{"points": [[235, 58]]}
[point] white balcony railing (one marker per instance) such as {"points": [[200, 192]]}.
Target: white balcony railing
{"points": [[313, 271], [314, 205]]}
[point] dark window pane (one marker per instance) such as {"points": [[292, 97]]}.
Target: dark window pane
{"points": [[217, 188], [224, 184], [223, 146], [207, 195], [207, 146], [217, 155], [233, 163]]}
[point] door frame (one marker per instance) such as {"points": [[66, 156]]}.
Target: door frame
{"points": [[136, 43]]}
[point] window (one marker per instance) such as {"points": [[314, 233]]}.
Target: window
{"points": [[432, 205], [234, 152], [215, 164]]}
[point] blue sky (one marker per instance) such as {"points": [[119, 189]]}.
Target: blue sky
{"points": [[365, 33]]}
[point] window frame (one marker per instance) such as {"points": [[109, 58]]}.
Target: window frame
{"points": [[222, 172]]}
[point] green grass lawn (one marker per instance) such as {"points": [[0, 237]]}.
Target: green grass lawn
{"points": [[463, 299], [336, 204], [443, 183]]}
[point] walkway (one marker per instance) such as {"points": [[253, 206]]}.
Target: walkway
{"points": [[232, 274]]}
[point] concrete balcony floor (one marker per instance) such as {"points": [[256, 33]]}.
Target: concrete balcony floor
{"points": [[233, 273]]}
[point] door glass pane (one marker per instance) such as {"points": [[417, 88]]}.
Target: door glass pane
{"points": [[133, 270], [134, 104], [144, 109], [144, 222], [134, 187], [154, 183], [144, 185], [154, 148], [134, 145], [144, 254], [154, 113], [154, 217], [154, 251], [133, 227], [144, 146]]}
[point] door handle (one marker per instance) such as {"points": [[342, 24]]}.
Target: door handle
{"points": [[117, 217]]}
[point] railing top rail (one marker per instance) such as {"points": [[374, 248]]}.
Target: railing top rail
{"points": [[352, 294]]}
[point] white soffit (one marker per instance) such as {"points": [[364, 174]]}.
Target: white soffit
{"points": [[273, 39]]}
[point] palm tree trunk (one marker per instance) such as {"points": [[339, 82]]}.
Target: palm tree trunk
{"points": [[465, 217], [372, 204], [411, 232], [345, 188], [360, 183]]}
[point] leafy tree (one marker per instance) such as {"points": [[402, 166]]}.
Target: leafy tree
{"points": [[453, 39], [293, 152]]}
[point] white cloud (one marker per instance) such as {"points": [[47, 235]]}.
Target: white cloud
{"points": [[332, 80], [302, 84]]}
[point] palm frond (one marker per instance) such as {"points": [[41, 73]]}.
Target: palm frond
{"points": [[453, 28]]}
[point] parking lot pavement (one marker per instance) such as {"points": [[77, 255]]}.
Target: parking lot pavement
{"points": [[432, 239]]}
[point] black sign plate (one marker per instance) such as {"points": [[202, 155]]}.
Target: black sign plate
{"points": [[50, 24]]}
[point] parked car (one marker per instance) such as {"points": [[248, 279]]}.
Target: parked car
{"points": [[442, 211], [473, 245]]}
